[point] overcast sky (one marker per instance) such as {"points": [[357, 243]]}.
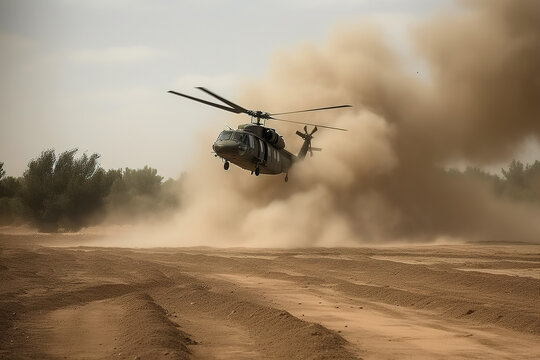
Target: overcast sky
{"points": [[94, 74]]}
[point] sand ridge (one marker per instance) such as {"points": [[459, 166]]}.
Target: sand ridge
{"points": [[205, 303]]}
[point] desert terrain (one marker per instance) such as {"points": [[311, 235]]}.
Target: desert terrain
{"points": [[63, 299]]}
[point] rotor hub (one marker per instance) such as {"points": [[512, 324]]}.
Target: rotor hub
{"points": [[258, 114]]}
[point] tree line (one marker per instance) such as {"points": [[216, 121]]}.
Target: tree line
{"points": [[66, 193], [518, 182]]}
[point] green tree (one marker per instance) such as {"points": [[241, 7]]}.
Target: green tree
{"points": [[64, 192]]}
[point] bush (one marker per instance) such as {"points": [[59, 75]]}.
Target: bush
{"points": [[68, 193], [11, 208], [140, 192], [64, 193]]}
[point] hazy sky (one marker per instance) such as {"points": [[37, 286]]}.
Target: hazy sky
{"points": [[94, 74]]}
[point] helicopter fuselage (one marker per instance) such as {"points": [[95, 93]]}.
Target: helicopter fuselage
{"points": [[255, 148]]}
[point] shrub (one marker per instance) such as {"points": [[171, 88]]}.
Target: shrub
{"points": [[64, 192]]}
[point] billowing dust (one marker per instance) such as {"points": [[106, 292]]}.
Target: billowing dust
{"points": [[384, 179]]}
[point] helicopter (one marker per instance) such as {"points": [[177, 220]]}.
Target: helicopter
{"points": [[254, 146]]}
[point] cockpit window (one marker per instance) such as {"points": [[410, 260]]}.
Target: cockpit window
{"points": [[241, 137], [225, 135], [234, 135]]}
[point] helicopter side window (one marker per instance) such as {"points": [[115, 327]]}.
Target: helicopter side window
{"points": [[225, 135], [238, 136], [251, 141], [261, 152]]}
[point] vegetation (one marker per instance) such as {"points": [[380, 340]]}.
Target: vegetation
{"points": [[141, 192], [67, 193], [519, 181], [10, 202]]}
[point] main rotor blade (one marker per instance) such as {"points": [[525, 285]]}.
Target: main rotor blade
{"points": [[222, 99], [236, 111], [305, 123], [324, 108]]}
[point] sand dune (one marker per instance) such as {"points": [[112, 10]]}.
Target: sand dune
{"points": [[424, 302]]}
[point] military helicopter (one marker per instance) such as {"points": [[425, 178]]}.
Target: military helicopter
{"points": [[254, 146]]}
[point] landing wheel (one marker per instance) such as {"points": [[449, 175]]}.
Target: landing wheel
{"points": [[226, 165], [257, 172], [286, 177]]}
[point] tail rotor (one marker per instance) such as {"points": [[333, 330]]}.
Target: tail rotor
{"points": [[306, 147]]}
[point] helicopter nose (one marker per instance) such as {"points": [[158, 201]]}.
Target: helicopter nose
{"points": [[224, 148]]}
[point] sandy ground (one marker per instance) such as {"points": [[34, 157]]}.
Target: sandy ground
{"points": [[423, 302]]}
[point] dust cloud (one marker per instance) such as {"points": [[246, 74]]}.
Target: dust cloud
{"points": [[383, 180]]}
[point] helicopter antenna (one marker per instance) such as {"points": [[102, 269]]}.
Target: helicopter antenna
{"points": [[260, 116]]}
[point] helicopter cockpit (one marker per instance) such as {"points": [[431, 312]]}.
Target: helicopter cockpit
{"points": [[230, 141], [235, 136]]}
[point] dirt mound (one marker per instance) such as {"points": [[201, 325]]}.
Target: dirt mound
{"points": [[276, 333]]}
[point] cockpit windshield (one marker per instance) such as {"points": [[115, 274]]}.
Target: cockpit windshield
{"points": [[240, 137], [225, 135], [234, 135]]}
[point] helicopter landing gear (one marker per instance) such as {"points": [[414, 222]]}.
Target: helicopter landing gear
{"points": [[257, 171], [286, 177], [226, 165]]}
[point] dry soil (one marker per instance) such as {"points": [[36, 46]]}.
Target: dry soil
{"points": [[61, 300]]}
